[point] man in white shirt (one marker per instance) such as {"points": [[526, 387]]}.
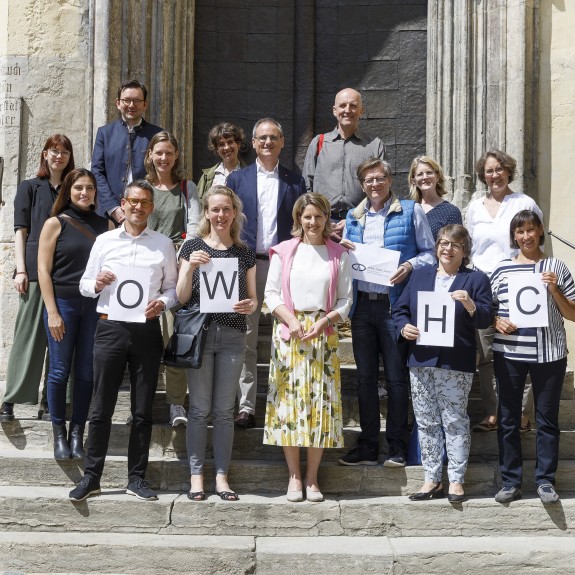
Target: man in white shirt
{"points": [[268, 192], [118, 343]]}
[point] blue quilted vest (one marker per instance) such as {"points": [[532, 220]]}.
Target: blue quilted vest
{"points": [[399, 235]]}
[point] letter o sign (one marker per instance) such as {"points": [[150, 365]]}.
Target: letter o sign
{"points": [[133, 298]]}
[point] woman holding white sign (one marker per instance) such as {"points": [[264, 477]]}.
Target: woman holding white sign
{"points": [[212, 387], [540, 352], [309, 291], [441, 377]]}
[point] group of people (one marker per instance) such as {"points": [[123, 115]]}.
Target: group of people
{"points": [[291, 236]]}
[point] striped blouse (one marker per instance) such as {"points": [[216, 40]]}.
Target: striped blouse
{"points": [[534, 344]]}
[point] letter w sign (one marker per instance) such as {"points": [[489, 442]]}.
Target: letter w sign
{"points": [[219, 289]]}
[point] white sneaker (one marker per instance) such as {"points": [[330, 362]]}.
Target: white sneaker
{"points": [[381, 391], [178, 415]]}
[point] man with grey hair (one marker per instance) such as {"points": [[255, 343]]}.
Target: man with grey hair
{"points": [[332, 159], [117, 343], [268, 192]]}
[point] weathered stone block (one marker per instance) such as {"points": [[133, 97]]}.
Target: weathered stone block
{"points": [[383, 45], [262, 19], [352, 48], [262, 48], [352, 19], [381, 75]]}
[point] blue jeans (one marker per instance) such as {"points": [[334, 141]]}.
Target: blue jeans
{"points": [[373, 334], [547, 381], [212, 391], [80, 320]]}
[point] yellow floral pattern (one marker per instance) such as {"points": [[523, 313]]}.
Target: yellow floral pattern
{"points": [[304, 391]]}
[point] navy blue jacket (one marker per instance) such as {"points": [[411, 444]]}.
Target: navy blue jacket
{"points": [[244, 184], [110, 159], [460, 357]]}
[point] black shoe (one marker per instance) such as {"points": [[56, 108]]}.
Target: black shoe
{"points": [[141, 489], [358, 456], [76, 441], [87, 486], [7, 411], [245, 420], [508, 494], [44, 412], [61, 447], [436, 493], [454, 498]]}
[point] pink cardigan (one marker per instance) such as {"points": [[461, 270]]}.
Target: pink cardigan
{"points": [[286, 251]]}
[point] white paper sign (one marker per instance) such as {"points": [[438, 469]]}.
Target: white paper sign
{"points": [[373, 264], [129, 295], [435, 318], [219, 289], [527, 300]]}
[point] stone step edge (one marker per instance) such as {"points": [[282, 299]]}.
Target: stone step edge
{"points": [[267, 554]]}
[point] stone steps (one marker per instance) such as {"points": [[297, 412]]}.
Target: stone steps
{"points": [[171, 442], [48, 509], [38, 468], [117, 553]]}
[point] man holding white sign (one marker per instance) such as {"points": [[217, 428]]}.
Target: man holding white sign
{"points": [[134, 339], [383, 221]]}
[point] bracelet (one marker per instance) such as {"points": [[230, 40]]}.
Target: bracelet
{"points": [[329, 322], [472, 311], [21, 273]]}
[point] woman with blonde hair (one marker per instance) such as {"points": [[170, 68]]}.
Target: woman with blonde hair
{"points": [[213, 386], [309, 291], [427, 187]]}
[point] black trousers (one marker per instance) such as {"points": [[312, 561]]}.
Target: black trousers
{"points": [[116, 344]]}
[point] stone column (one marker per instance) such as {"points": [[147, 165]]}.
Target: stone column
{"points": [[152, 41], [482, 62]]}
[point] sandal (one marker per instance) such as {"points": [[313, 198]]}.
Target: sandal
{"points": [[485, 426], [196, 496], [227, 495]]}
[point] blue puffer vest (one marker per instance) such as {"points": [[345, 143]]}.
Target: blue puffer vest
{"points": [[399, 235]]}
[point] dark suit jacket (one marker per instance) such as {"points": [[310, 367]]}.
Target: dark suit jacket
{"points": [[244, 184], [460, 357], [110, 160]]}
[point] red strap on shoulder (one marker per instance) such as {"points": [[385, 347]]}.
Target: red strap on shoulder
{"points": [[320, 144]]}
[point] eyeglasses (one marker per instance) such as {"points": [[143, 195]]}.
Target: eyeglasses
{"points": [[135, 201], [497, 171], [444, 244], [264, 139], [55, 153], [128, 101], [375, 181]]}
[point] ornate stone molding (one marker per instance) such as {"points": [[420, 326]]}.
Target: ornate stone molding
{"points": [[481, 87]]}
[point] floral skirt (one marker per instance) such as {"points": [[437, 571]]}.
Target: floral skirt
{"points": [[304, 392]]}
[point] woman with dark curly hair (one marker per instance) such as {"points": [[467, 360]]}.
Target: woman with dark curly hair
{"points": [[224, 140]]}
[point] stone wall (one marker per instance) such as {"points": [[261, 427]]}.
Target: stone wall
{"points": [[289, 59], [48, 45], [556, 129]]}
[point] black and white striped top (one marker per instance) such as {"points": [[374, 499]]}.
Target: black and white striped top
{"points": [[534, 344]]}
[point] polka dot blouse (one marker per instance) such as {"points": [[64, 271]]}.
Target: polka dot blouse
{"points": [[246, 260]]}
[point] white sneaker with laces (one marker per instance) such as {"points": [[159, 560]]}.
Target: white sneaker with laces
{"points": [[178, 415]]}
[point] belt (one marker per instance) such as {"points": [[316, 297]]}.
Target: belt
{"points": [[105, 316], [262, 257], [373, 296]]}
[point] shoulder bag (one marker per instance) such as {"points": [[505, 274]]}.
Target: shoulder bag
{"points": [[186, 346]]}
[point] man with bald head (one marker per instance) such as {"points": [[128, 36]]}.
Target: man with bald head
{"points": [[332, 159]]}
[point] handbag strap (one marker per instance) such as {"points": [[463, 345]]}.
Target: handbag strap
{"points": [[78, 226]]}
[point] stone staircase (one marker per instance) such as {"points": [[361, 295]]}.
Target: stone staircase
{"points": [[366, 524]]}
